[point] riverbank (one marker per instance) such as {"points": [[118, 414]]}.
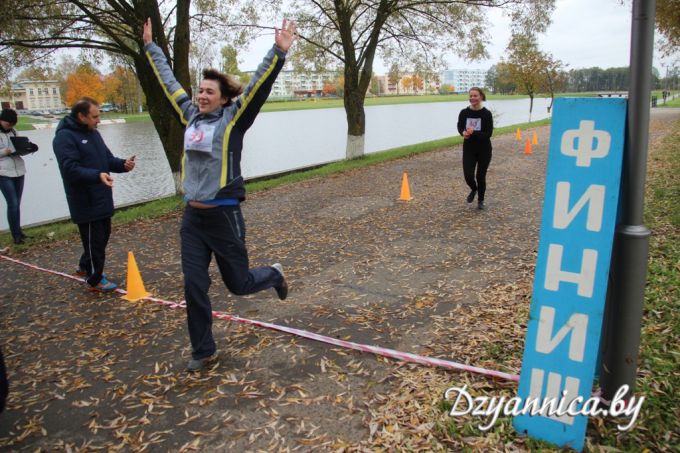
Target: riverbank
{"points": [[433, 276], [29, 123], [55, 231]]}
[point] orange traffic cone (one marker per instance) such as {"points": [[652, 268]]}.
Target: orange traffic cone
{"points": [[534, 139], [527, 147], [518, 135], [405, 191], [135, 285]]}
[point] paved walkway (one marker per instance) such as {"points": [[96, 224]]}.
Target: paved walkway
{"points": [[434, 276]]}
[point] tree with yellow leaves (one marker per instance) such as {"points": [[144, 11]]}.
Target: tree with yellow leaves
{"points": [[84, 81]]}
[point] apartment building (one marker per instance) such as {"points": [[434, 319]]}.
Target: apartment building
{"points": [[291, 84], [407, 85], [463, 79]]}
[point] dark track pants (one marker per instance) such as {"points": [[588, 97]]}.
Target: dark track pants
{"points": [[479, 159], [220, 231], [95, 237]]}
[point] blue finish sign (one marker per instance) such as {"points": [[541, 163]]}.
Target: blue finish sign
{"points": [[577, 231]]}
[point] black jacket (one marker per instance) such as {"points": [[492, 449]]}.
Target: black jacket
{"points": [[82, 156], [482, 122]]}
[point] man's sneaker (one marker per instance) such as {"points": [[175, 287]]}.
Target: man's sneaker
{"points": [[480, 204], [471, 196], [195, 365], [104, 286], [281, 290]]}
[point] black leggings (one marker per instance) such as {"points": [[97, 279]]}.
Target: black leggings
{"points": [[476, 158]]}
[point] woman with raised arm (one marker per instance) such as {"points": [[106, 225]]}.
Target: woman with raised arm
{"points": [[213, 186]]}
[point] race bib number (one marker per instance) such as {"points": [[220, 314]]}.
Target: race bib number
{"points": [[199, 138], [474, 123]]}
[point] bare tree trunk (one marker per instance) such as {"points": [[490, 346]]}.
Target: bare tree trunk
{"points": [[170, 129], [354, 110], [356, 83]]}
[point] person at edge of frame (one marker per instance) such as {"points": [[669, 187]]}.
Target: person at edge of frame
{"points": [[12, 174]]}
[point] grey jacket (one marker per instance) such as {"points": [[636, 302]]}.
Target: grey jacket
{"points": [[12, 166], [211, 166]]}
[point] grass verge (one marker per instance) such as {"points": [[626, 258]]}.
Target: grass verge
{"points": [[158, 208], [659, 369], [672, 103]]}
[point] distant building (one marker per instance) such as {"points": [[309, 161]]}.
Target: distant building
{"points": [[33, 95], [408, 84], [292, 84], [463, 79]]}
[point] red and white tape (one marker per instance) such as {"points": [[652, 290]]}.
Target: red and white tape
{"points": [[385, 352]]}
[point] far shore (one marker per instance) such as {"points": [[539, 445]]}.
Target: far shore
{"points": [[33, 122]]}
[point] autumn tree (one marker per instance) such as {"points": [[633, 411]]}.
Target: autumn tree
{"points": [[423, 76], [329, 88], [340, 86], [498, 79], [84, 81], [34, 28], [351, 34], [122, 88], [36, 73], [229, 56], [61, 72], [555, 77], [376, 86], [447, 89], [524, 65], [407, 81], [112, 89], [668, 24], [230, 64]]}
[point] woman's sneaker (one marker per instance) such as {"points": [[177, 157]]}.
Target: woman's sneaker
{"points": [[104, 286], [282, 289], [471, 196]]}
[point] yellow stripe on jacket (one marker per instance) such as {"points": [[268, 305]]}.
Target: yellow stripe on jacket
{"points": [[230, 126]]}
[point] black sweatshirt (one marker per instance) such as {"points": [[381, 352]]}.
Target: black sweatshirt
{"points": [[482, 122]]}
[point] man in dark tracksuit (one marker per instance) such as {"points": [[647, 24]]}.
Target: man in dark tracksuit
{"points": [[85, 163]]}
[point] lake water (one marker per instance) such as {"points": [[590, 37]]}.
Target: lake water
{"points": [[277, 142]]}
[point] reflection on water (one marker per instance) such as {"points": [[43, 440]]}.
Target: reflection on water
{"points": [[44, 198], [277, 142]]}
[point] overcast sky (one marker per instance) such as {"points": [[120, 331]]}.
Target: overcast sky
{"points": [[583, 34]]}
